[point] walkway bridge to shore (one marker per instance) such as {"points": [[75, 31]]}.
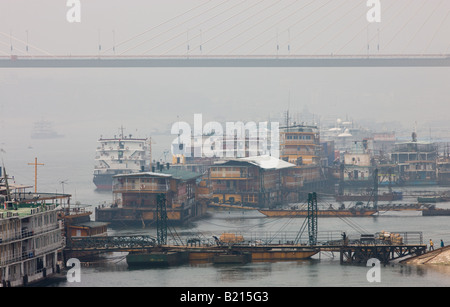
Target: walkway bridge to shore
{"points": [[356, 251]]}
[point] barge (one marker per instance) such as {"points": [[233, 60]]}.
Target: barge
{"points": [[369, 197]]}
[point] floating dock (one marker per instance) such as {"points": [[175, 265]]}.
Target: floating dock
{"points": [[320, 213], [177, 255], [157, 258]]}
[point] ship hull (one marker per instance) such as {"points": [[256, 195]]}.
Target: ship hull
{"points": [[436, 212], [253, 254], [103, 182], [157, 259], [225, 258], [320, 213]]}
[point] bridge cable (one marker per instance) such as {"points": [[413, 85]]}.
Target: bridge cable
{"points": [[355, 226], [198, 25], [8, 45], [358, 18], [254, 25], [377, 35], [191, 18], [435, 33], [27, 44], [154, 27], [406, 23], [423, 24], [264, 31], [364, 29], [301, 19], [318, 20], [233, 16], [331, 24]]}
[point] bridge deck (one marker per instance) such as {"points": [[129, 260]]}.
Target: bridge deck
{"points": [[224, 61]]}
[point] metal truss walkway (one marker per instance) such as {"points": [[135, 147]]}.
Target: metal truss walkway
{"points": [[110, 243]]}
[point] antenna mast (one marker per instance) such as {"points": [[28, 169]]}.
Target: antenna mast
{"points": [[35, 173]]}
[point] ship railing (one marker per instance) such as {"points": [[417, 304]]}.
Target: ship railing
{"points": [[10, 257], [227, 174], [298, 152], [73, 211], [263, 239], [141, 187], [293, 184], [186, 199], [298, 142], [234, 191], [324, 239], [24, 233], [204, 194]]}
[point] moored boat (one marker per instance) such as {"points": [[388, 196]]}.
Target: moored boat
{"points": [[431, 199], [369, 197], [436, 212], [120, 155], [31, 237]]}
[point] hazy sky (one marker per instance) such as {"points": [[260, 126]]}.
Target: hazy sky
{"points": [[86, 103], [90, 102]]}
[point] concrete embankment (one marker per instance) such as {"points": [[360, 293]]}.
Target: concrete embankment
{"points": [[438, 256]]}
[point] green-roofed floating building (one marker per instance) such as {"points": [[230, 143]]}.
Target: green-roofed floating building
{"points": [[135, 197]]}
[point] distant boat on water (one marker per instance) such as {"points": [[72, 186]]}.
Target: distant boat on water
{"points": [[44, 130]]}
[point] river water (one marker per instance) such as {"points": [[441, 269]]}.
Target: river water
{"points": [[70, 168]]}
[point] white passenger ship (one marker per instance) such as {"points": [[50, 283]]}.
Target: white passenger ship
{"points": [[120, 155], [31, 236]]}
